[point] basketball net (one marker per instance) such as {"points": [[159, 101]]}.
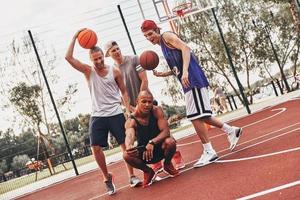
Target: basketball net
{"points": [[181, 8]]}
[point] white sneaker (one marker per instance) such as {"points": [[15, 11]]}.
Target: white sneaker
{"points": [[234, 137], [206, 158], [134, 181]]}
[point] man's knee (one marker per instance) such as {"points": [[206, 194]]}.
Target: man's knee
{"points": [[96, 149], [169, 142]]}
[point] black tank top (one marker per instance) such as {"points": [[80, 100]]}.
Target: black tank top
{"points": [[148, 132]]}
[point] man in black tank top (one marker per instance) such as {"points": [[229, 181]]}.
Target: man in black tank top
{"points": [[148, 125]]}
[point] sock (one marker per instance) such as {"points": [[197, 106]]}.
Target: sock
{"points": [[208, 147], [228, 129]]}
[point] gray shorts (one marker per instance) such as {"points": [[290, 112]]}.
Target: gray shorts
{"points": [[100, 126]]}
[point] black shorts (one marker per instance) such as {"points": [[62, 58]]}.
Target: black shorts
{"points": [[100, 126], [158, 154]]}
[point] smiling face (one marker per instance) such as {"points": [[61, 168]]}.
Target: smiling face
{"points": [[97, 58], [153, 36], [115, 52]]}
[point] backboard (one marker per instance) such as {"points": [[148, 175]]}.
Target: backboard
{"points": [[167, 10], [173, 11]]}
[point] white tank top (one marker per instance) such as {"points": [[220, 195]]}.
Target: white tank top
{"points": [[105, 94]]}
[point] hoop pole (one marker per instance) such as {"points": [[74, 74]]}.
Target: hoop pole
{"points": [[141, 9], [168, 12]]}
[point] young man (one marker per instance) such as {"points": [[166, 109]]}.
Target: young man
{"points": [[184, 66], [135, 80], [148, 125], [105, 83]]}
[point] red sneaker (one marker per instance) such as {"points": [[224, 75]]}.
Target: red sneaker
{"points": [[169, 169], [178, 160], [157, 167], [149, 177]]}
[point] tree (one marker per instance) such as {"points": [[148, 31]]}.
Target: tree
{"points": [[19, 63], [3, 167], [293, 10], [29, 98], [24, 98], [19, 162], [173, 89], [249, 46]]}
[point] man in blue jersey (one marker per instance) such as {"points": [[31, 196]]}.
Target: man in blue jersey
{"points": [[183, 64]]}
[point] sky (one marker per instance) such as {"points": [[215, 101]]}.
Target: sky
{"points": [[55, 23], [58, 21]]}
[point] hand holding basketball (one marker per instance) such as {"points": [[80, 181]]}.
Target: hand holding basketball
{"points": [[87, 38], [149, 60]]}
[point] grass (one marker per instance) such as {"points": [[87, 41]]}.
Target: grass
{"points": [[45, 173], [30, 178]]}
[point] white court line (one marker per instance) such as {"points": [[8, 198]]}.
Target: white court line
{"points": [[259, 156], [187, 169], [270, 190], [251, 124]]}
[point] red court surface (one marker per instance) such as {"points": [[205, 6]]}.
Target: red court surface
{"points": [[264, 165]]}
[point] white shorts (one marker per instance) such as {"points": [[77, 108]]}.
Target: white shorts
{"points": [[197, 103]]}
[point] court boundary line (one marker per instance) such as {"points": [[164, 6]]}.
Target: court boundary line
{"points": [[189, 168], [253, 123], [268, 191]]}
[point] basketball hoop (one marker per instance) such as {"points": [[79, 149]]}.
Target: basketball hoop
{"points": [[182, 9]]}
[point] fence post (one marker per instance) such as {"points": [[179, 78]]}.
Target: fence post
{"points": [[227, 97], [232, 97], [274, 87]]}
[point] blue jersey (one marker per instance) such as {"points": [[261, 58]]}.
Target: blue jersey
{"points": [[174, 59]]}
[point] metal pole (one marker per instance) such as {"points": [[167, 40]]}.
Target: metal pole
{"points": [[53, 103], [128, 34], [245, 100], [277, 59], [141, 9], [274, 87]]}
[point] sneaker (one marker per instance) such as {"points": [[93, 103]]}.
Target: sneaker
{"points": [[177, 158], [110, 186], [170, 169], [234, 137], [134, 181], [149, 177], [206, 158], [157, 167]]}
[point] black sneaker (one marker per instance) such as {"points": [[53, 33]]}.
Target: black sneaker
{"points": [[110, 186]]}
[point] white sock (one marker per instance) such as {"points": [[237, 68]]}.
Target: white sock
{"points": [[207, 147], [227, 129]]}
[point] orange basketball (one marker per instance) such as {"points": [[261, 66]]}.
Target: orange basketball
{"points": [[149, 60], [87, 39]]}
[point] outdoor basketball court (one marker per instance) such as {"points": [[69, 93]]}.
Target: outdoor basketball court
{"points": [[264, 165]]}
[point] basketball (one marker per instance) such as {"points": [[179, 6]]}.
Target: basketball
{"points": [[87, 39], [149, 60]]}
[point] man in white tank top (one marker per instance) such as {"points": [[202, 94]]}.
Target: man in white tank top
{"points": [[105, 84]]}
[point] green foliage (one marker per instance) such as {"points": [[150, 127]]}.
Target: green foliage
{"points": [[249, 44], [173, 110], [173, 89], [20, 161], [24, 98], [3, 166]]}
